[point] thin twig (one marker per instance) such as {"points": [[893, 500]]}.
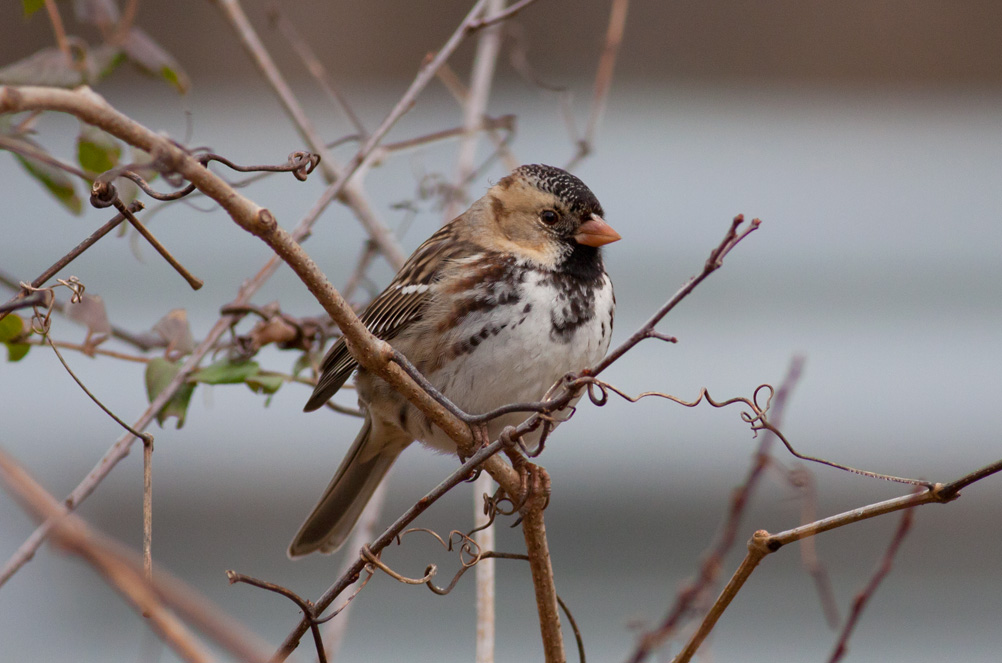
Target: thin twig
{"points": [[146, 437], [484, 64], [123, 572], [603, 78], [713, 263], [148, 506], [499, 16], [58, 29], [303, 604], [194, 282], [864, 596], [369, 251], [57, 266], [574, 627], [349, 192], [710, 567], [425, 74], [38, 298], [90, 350], [811, 561], [365, 530], [763, 543], [313, 64], [126, 21], [26, 149]]}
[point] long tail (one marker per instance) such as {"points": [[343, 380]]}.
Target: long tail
{"points": [[334, 516]]}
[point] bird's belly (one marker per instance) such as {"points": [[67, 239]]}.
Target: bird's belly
{"points": [[519, 356]]}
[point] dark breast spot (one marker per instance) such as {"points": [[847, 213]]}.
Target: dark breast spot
{"points": [[492, 282]]}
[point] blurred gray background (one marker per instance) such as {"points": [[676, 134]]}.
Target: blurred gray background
{"points": [[866, 135]]}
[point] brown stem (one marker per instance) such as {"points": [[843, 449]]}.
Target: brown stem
{"points": [[78, 249], [349, 192], [148, 507], [313, 63], [194, 282], [164, 600], [859, 603], [58, 29], [534, 531]]}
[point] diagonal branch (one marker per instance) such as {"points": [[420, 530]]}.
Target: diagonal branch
{"points": [[763, 543], [372, 353], [163, 599], [471, 23], [350, 193]]}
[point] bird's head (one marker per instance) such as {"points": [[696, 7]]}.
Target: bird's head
{"points": [[547, 215]]}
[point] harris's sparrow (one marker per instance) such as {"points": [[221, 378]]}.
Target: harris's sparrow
{"points": [[493, 309]]}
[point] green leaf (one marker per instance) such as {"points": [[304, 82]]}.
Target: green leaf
{"points": [[11, 327], [226, 372], [16, 351], [159, 373], [102, 60], [97, 151], [31, 6], [265, 384], [149, 56], [56, 181]]}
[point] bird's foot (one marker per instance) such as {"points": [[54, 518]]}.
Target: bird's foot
{"points": [[534, 484]]}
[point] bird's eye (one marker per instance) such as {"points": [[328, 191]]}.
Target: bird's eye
{"points": [[549, 217]]}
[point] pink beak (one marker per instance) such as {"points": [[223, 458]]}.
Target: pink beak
{"points": [[596, 232]]}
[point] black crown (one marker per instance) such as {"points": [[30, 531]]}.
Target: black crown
{"points": [[568, 188]]}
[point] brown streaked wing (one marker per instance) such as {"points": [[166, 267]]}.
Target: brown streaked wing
{"points": [[394, 309]]}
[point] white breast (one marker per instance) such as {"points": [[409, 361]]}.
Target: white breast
{"points": [[521, 356]]}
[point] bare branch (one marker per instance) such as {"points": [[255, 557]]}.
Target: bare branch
{"points": [[349, 192], [500, 16], [406, 102], [763, 543], [27, 149], [313, 64], [859, 603], [709, 569], [484, 64], [365, 531], [148, 506], [146, 437], [58, 29], [303, 604], [194, 282], [124, 573], [713, 263], [56, 267], [603, 78]]}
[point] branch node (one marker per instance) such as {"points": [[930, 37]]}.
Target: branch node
{"points": [[103, 194], [762, 543], [266, 220]]}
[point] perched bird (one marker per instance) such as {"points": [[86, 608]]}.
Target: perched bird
{"points": [[493, 309]]}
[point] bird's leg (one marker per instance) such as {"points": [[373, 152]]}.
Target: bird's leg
{"points": [[481, 438]]}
